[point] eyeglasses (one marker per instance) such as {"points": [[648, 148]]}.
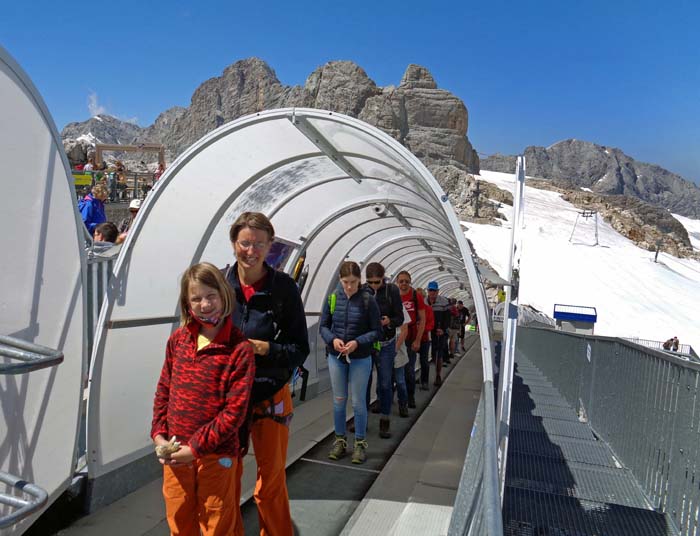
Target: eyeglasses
{"points": [[374, 282], [244, 244], [404, 281]]}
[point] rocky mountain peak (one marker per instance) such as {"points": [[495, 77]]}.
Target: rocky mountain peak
{"points": [[430, 122], [341, 86], [576, 164], [417, 76]]}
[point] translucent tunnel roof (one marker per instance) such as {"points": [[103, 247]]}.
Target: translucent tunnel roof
{"points": [[335, 189]]}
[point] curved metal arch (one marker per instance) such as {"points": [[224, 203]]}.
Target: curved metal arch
{"points": [[423, 271], [333, 217], [401, 238], [310, 186], [417, 247], [405, 264]]}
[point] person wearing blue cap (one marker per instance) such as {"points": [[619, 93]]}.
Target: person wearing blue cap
{"points": [[441, 312]]}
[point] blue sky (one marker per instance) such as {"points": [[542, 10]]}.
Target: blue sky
{"points": [[618, 73]]}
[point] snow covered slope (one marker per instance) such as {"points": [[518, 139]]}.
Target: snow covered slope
{"points": [[634, 296]]}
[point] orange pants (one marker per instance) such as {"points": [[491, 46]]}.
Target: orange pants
{"points": [[200, 496], [270, 440]]}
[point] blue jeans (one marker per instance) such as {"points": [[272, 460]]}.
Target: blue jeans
{"points": [[385, 372], [357, 374], [401, 391]]}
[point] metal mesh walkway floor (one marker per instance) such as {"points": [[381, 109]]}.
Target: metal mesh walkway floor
{"points": [[561, 480]]}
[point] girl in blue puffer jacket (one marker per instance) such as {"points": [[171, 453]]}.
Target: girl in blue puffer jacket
{"points": [[350, 324]]}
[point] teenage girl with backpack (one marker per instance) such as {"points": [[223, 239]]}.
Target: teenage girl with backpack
{"points": [[350, 324]]}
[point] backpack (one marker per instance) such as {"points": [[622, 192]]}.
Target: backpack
{"points": [[413, 326], [332, 298]]}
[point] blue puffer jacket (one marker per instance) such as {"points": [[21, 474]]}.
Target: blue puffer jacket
{"points": [[352, 320], [92, 210]]}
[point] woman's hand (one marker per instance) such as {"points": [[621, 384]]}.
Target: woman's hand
{"points": [[338, 346], [350, 347], [260, 347]]}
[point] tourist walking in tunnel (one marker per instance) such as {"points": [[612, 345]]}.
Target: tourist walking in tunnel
{"points": [[350, 325]]}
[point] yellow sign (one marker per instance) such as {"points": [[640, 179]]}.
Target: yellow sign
{"points": [[82, 179]]}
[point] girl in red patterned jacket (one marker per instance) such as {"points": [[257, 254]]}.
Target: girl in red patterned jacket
{"points": [[201, 402]]}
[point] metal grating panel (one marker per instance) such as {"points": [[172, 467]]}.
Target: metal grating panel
{"points": [[523, 421], [523, 401], [531, 513], [553, 412], [576, 450], [595, 483]]}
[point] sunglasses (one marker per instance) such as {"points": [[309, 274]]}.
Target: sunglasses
{"points": [[374, 281]]}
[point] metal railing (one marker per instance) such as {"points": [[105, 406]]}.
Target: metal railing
{"points": [[31, 357], [99, 274], [644, 403], [24, 507], [683, 349], [477, 507], [134, 184]]}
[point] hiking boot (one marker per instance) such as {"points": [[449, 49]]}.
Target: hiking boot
{"points": [[358, 454], [403, 410], [339, 448], [438, 381], [384, 432], [412, 403]]}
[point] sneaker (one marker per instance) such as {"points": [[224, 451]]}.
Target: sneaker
{"points": [[358, 454], [339, 448]]}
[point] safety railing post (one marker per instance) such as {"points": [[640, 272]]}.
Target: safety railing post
{"points": [[510, 319]]}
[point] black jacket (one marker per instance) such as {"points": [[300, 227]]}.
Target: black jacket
{"points": [[276, 315], [388, 298]]}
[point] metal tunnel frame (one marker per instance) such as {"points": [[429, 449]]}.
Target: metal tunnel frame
{"points": [[334, 187]]}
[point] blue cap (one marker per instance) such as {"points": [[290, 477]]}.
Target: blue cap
{"points": [[433, 285]]}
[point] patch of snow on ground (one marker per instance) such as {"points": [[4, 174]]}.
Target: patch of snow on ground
{"points": [[89, 137], [634, 296], [693, 228], [586, 189]]}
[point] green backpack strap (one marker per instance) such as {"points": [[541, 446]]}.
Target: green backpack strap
{"points": [[331, 302]]}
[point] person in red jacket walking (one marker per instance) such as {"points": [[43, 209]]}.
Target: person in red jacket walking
{"points": [[201, 402]]}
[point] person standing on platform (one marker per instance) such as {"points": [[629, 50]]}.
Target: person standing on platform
{"points": [[350, 325], [269, 311], [441, 312], [207, 360], [390, 305], [415, 305]]}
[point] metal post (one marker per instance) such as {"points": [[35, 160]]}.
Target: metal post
{"points": [[505, 382]]}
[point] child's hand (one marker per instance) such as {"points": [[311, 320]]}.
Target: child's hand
{"points": [[165, 448], [182, 456]]}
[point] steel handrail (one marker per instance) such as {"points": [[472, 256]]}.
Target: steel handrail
{"points": [[24, 507], [32, 356]]}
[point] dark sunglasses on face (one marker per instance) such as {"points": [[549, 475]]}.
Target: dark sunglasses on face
{"points": [[374, 281]]}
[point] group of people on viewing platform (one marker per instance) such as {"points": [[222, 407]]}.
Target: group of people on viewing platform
{"points": [[225, 379]]}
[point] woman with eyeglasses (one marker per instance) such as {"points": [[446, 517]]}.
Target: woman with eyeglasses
{"points": [[270, 313]]}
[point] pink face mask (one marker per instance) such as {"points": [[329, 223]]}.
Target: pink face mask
{"points": [[206, 321]]}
